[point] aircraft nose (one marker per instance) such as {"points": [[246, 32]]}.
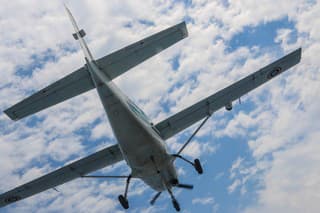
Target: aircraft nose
{"points": [[174, 181]]}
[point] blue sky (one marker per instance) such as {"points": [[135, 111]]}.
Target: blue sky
{"points": [[260, 157]]}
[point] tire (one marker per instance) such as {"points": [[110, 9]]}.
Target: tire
{"points": [[176, 205], [123, 201], [197, 166]]}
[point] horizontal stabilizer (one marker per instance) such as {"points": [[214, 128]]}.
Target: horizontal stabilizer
{"points": [[96, 161], [72, 85], [124, 59]]}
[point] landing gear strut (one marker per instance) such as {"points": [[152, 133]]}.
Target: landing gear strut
{"points": [[196, 164], [123, 198], [155, 198], [173, 199], [176, 205]]}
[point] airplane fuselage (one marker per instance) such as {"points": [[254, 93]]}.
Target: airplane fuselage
{"points": [[142, 147]]}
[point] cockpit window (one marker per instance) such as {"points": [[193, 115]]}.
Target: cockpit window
{"points": [[138, 111]]}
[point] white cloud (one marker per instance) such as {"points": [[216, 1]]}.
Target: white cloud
{"points": [[292, 183], [285, 118], [102, 129], [203, 201]]}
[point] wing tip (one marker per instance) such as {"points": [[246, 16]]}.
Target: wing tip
{"points": [[299, 51], [184, 29], [11, 114]]}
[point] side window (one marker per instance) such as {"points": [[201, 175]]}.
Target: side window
{"points": [[138, 111]]}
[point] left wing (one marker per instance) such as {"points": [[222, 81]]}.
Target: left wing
{"points": [[180, 121], [98, 160]]}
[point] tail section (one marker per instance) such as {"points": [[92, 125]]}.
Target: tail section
{"points": [[78, 35]]}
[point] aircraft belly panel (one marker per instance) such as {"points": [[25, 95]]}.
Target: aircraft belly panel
{"points": [[135, 138]]}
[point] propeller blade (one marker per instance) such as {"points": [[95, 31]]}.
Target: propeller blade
{"points": [[185, 186], [155, 198]]}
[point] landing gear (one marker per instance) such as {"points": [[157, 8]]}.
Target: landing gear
{"points": [[155, 198], [197, 166], [123, 198], [176, 205], [123, 201], [196, 163], [174, 201], [174, 182]]}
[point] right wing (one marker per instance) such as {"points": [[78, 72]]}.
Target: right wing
{"points": [[112, 65], [122, 60], [182, 120], [98, 160]]}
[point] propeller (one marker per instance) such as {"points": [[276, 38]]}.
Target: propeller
{"points": [[184, 186], [155, 198]]}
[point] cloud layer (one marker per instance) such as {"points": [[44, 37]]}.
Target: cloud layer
{"points": [[279, 121]]}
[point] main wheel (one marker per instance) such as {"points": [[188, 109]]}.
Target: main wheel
{"points": [[176, 205], [123, 201], [197, 166]]}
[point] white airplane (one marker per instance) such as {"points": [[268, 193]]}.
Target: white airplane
{"points": [[140, 143]]}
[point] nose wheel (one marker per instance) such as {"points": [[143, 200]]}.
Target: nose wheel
{"points": [[176, 205]]}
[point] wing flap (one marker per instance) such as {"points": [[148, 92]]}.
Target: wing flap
{"points": [[98, 160], [124, 59], [180, 121]]}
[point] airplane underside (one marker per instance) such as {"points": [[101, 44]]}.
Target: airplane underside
{"points": [[143, 149]]}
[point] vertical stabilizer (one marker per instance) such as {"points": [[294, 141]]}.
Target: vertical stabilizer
{"points": [[78, 35]]}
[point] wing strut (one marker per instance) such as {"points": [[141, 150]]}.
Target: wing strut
{"points": [[193, 134], [196, 163]]}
